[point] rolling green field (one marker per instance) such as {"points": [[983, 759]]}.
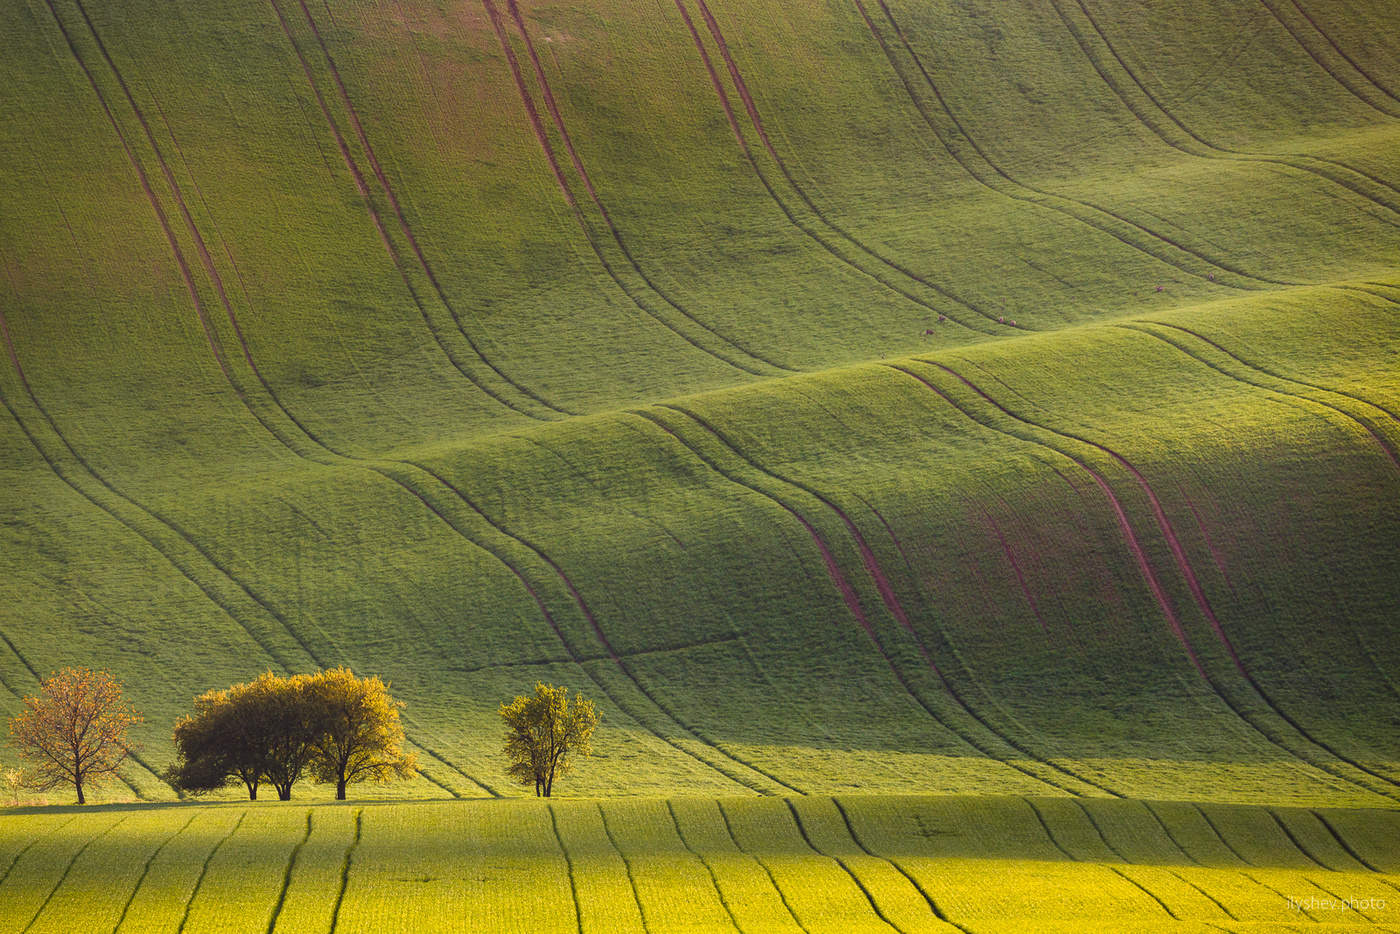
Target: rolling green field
{"points": [[984, 413]]}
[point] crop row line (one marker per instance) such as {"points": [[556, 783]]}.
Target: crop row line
{"points": [[689, 328], [146, 870], [1067, 439], [787, 210], [852, 599], [1191, 142], [1319, 55]]}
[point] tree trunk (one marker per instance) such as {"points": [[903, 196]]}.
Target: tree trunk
{"points": [[284, 792], [340, 790], [252, 792], [79, 785]]}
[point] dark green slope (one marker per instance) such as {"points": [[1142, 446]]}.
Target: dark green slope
{"points": [[881, 396]]}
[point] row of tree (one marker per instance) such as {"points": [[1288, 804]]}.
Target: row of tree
{"points": [[330, 725]]}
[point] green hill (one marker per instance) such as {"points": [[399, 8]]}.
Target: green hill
{"points": [[864, 396]]}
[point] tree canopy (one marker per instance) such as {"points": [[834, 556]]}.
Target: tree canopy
{"points": [[331, 724], [75, 731], [544, 731]]}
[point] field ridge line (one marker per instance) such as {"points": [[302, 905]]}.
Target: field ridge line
{"points": [[714, 880], [854, 607], [626, 864], [287, 875], [772, 879], [146, 869], [204, 869], [345, 868], [568, 864], [860, 884]]}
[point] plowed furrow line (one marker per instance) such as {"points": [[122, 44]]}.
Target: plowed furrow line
{"points": [[981, 167], [14, 860], [1278, 375], [204, 870], [1294, 842], [627, 865], [287, 876], [618, 659], [1194, 586], [345, 868], [772, 880], [1015, 568], [1192, 143], [146, 870], [824, 241], [732, 353], [414, 247], [1337, 64], [714, 880], [857, 611], [855, 838], [297, 446], [429, 320], [1309, 403], [67, 870], [1049, 834], [1347, 847], [569, 865], [845, 867]]}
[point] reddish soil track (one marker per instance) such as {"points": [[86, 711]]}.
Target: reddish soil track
{"points": [[542, 136], [757, 122], [1198, 594], [1338, 173], [1177, 254], [1015, 568], [851, 598]]}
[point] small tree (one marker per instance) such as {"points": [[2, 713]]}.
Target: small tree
{"points": [[74, 731], [544, 731], [15, 779], [358, 734]]}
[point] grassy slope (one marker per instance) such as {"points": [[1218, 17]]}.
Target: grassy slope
{"points": [[311, 361]]}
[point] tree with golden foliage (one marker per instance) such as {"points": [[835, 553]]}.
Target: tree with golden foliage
{"points": [[74, 731], [335, 726], [544, 731], [359, 736]]}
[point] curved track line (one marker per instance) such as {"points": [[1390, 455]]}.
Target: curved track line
{"points": [[69, 868], [855, 838], [14, 860], [1193, 584], [857, 611], [1045, 826], [1277, 375], [772, 880], [345, 868], [1015, 567], [869, 896], [1145, 327], [287, 876], [204, 870], [1098, 829], [626, 864], [1168, 250], [1312, 165], [362, 187], [569, 865], [417, 250], [146, 869], [754, 368], [757, 122], [714, 880], [1330, 68]]}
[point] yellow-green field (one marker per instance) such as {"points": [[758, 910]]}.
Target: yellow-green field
{"points": [[814, 864]]}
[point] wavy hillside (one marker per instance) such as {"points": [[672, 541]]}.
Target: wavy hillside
{"points": [[856, 396]]}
